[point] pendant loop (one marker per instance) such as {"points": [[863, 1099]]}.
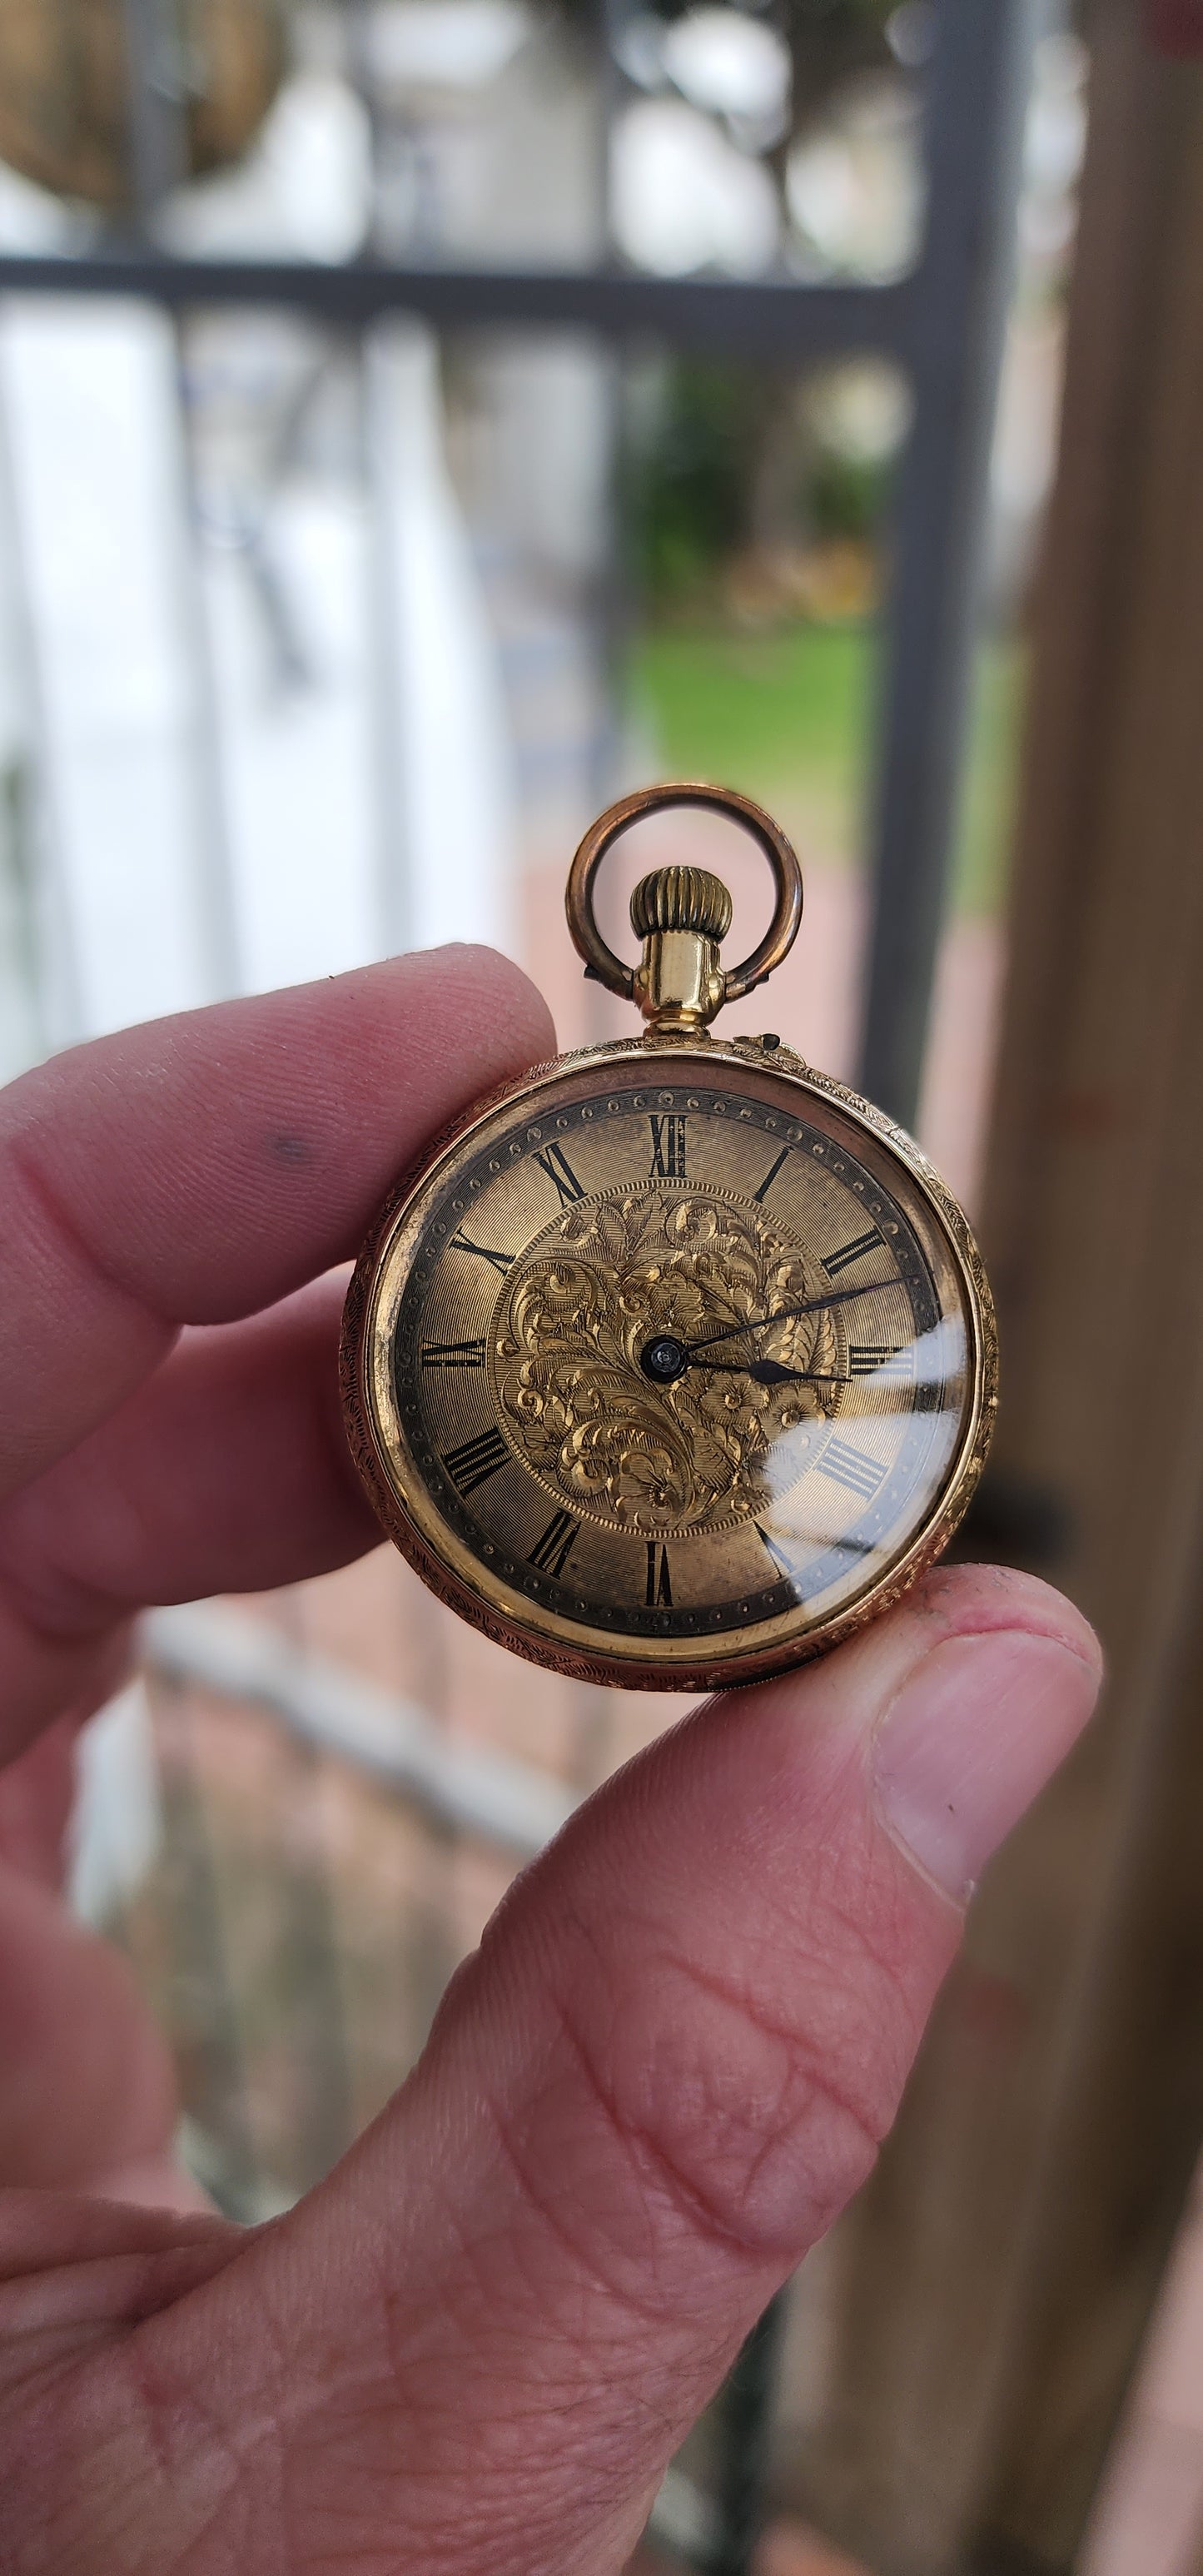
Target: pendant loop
{"points": [[600, 959]]}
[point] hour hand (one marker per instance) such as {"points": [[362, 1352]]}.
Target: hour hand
{"points": [[773, 1373], [665, 1358]]}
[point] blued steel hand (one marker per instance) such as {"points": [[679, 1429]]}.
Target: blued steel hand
{"points": [[772, 1373], [791, 1314]]}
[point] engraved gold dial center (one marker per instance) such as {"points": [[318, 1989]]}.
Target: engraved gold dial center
{"points": [[629, 1350]]}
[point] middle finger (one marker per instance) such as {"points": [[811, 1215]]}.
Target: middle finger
{"points": [[227, 1471]]}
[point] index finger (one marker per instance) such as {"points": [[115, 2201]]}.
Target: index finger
{"points": [[198, 1168]]}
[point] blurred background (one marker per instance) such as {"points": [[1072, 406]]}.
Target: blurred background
{"points": [[421, 421]]}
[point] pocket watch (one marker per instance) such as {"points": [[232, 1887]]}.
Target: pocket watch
{"points": [[673, 1363]]}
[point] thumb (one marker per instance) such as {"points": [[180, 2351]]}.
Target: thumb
{"points": [[654, 2086]]}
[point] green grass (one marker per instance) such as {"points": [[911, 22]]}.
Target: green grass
{"points": [[787, 717]]}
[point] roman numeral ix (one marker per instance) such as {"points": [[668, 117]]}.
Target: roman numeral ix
{"points": [[551, 1552], [558, 1169], [453, 1355], [501, 1260], [668, 1147], [659, 1594], [475, 1459], [834, 1262]]}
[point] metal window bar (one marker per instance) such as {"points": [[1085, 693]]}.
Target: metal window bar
{"points": [[943, 325]]}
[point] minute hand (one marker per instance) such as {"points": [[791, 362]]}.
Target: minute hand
{"points": [[791, 1314]]}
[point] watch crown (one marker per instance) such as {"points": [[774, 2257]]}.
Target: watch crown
{"points": [[681, 899]]}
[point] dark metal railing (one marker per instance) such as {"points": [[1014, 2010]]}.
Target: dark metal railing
{"points": [[943, 326]]}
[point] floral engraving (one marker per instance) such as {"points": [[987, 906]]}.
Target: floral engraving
{"points": [[594, 1290]]}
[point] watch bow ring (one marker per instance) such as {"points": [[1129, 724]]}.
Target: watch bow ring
{"points": [[675, 1362], [684, 899]]}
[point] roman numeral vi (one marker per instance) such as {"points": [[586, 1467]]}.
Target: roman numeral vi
{"points": [[659, 1594]]}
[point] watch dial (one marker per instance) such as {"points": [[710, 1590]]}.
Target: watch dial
{"points": [[671, 1372]]}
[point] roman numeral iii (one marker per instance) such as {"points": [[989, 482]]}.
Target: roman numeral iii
{"points": [[659, 1594], [551, 1552], [668, 1147], [475, 1459], [558, 1169], [834, 1262], [850, 1467], [453, 1355], [878, 1359]]}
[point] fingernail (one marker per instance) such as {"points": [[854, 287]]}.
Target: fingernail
{"points": [[975, 1731]]}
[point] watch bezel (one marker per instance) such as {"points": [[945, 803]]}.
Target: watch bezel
{"points": [[479, 1601]]}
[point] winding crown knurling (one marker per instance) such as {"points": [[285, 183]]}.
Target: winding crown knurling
{"points": [[681, 899]]}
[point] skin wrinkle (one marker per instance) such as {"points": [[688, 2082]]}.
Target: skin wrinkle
{"points": [[550, 2222], [71, 1612], [510, 2497], [507, 2450], [32, 2229], [503, 2445], [61, 1603], [65, 1234], [871, 2120], [374, 2285], [53, 2386], [812, 1955], [716, 2217], [144, 1339], [480, 2254], [114, 2488], [125, 2288], [372, 2419], [822, 1926], [79, 1677], [685, 2198], [208, 2247], [104, 2325], [52, 1632], [186, 2558], [186, 2439], [506, 2360]]}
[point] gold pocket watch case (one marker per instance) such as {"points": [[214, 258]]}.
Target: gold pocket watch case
{"points": [[675, 1362]]}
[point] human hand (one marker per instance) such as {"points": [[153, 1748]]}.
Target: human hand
{"points": [[472, 2351]]}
